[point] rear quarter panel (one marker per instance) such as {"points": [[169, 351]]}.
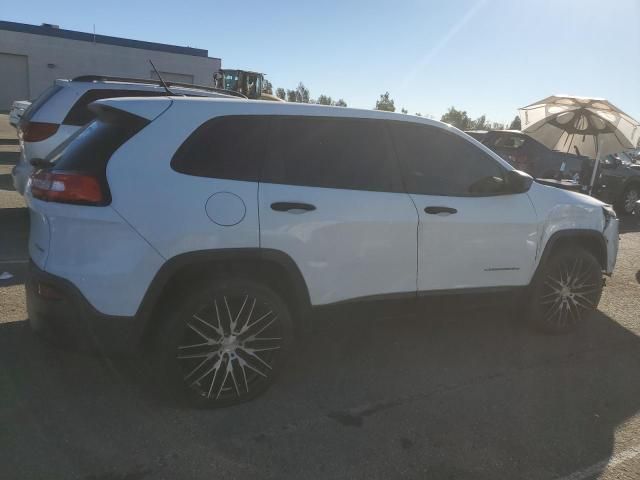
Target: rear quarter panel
{"points": [[166, 207]]}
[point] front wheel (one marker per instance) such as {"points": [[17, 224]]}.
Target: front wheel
{"points": [[629, 198], [225, 343], [567, 289]]}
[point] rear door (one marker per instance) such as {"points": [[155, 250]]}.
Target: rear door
{"points": [[471, 235], [331, 198]]}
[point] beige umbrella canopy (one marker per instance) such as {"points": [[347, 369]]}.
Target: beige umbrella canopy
{"points": [[592, 127]]}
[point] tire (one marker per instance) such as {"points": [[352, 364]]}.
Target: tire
{"points": [[630, 196], [224, 343], [565, 291]]}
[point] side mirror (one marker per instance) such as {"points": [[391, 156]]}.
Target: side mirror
{"points": [[518, 182]]}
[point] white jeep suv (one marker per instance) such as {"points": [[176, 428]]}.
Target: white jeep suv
{"points": [[212, 229], [61, 111]]}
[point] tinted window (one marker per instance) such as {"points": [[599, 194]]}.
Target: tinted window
{"points": [[512, 142], [331, 152], [91, 149], [437, 162], [80, 115], [39, 102], [225, 147]]}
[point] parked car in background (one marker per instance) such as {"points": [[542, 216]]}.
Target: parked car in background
{"points": [[529, 155], [618, 182], [477, 134], [213, 228], [61, 110], [17, 110]]}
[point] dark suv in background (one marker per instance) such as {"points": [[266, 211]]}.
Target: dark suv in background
{"points": [[529, 155], [617, 181]]}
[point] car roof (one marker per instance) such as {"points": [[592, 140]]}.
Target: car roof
{"points": [[283, 108]]}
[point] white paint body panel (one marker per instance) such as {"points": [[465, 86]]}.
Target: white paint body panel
{"points": [[489, 242], [355, 244], [169, 208], [96, 250]]}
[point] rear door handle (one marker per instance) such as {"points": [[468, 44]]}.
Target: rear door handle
{"points": [[437, 210], [292, 207]]}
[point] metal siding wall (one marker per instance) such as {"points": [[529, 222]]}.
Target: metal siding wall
{"points": [[14, 79], [50, 58]]}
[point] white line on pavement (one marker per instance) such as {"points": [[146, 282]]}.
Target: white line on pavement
{"points": [[600, 467], [5, 262]]}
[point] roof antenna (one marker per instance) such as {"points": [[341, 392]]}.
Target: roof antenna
{"points": [[164, 85]]}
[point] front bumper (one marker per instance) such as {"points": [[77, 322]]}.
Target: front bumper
{"points": [[59, 312], [612, 237]]}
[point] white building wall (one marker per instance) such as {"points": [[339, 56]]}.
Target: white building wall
{"points": [[50, 58]]}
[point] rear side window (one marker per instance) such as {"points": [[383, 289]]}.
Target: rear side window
{"points": [[90, 151], [230, 147], [345, 153], [436, 162], [40, 101], [80, 115]]}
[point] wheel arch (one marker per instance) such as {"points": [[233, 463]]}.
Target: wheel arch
{"points": [[277, 269], [591, 240]]}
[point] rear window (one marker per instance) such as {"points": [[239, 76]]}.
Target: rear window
{"points": [[511, 142], [80, 115], [40, 101], [90, 151]]}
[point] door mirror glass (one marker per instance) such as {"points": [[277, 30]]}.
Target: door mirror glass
{"points": [[518, 182]]}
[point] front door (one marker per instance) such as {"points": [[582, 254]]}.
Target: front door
{"points": [[471, 234]]}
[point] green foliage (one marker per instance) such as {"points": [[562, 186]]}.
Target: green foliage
{"points": [[341, 103], [516, 124], [385, 103], [280, 93], [457, 118], [325, 100], [267, 87], [404, 110]]}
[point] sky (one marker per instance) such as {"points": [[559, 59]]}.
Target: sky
{"points": [[482, 56]]}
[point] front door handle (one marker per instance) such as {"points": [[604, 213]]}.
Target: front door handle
{"points": [[292, 207], [437, 210]]}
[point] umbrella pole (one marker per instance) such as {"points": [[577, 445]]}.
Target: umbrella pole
{"points": [[596, 164]]}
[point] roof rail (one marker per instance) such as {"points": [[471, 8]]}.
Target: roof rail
{"points": [[107, 78]]}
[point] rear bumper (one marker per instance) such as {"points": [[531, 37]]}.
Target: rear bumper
{"points": [[58, 311]]}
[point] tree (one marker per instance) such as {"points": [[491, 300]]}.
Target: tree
{"points": [[385, 103], [341, 103], [418, 114], [404, 110], [325, 100], [267, 87], [281, 94], [299, 95], [457, 118], [516, 124], [480, 123]]}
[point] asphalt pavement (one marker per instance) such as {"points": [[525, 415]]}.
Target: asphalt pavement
{"points": [[464, 393]]}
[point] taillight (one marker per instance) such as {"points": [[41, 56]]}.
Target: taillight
{"points": [[37, 131], [68, 187]]}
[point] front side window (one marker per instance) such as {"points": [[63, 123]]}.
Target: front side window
{"points": [[437, 162], [345, 153]]}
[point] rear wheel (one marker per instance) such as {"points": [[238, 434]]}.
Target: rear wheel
{"points": [[566, 290], [225, 343]]}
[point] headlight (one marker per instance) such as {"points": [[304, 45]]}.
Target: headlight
{"points": [[609, 214]]}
